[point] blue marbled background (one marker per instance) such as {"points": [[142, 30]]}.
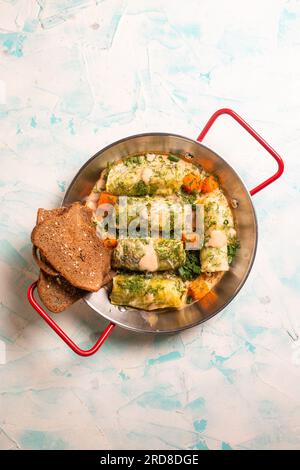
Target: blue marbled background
{"points": [[76, 75]]}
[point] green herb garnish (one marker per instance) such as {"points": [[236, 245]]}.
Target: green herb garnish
{"points": [[141, 188], [134, 284], [232, 248], [134, 160], [188, 198], [154, 290], [173, 158], [191, 267]]}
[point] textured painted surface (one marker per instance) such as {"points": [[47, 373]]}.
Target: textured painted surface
{"points": [[77, 75]]}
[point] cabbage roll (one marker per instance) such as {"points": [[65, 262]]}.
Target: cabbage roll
{"points": [[214, 259], [148, 254], [149, 174], [219, 232], [156, 213], [148, 292]]}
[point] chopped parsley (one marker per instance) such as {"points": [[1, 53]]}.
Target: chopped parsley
{"points": [[141, 188], [134, 284], [188, 198], [232, 248], [134, 160], [191, 267], [173, 158], [154, 290]]}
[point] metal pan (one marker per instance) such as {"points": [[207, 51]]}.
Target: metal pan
{"points": [[245, 220]]}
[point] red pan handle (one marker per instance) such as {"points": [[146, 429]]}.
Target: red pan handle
{"points": [[81, 352], [256, 136]]}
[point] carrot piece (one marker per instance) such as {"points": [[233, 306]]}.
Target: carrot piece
{"points": [[209, 184], [209, 299], [107, 198], [188, 237], [110, 242], [198, 288], [192, 182]]}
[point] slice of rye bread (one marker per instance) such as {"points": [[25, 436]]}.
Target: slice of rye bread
{"points": [[41, 261], [56, 293], [69, 243]]}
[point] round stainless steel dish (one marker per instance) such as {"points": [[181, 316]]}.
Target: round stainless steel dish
{"points": [[175, 320]]}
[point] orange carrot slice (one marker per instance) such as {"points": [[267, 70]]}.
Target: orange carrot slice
{"points": [[198, 288], [110, 242], [191, 183], [107, 198], [209, 184]]}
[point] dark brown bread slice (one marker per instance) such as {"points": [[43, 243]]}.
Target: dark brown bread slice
{"points": [[56, 293], [42, 215], [69, 243], [47, 268]]}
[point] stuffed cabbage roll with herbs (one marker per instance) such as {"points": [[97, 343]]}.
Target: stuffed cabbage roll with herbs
{"points": [[219, 232], [153, 213], [148, 254], [148, 292], [149, 174]]}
